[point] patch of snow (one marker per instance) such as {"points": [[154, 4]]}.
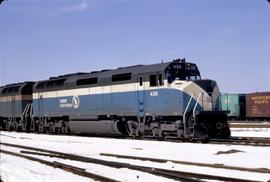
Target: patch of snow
{"points": [[15, 169], [251, 132], [252, 157]]}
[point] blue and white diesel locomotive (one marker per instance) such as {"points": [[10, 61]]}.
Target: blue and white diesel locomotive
{"points": [[160, 100]]}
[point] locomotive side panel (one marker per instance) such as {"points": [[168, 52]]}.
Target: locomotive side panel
{"points": [[93, 101], [158, 98], [164, 102], [14, 99], [96, 98], [7, 106], [58, 104], [124, 99], [3, 108]]}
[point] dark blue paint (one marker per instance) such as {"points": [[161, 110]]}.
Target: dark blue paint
{"points": [[167, 102], [13, 108]]}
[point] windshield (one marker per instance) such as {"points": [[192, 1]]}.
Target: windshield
{"points": [[182, 72]]}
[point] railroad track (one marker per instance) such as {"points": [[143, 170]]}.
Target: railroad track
{"points": [[220, 166], [247, 141], [170, 174], [65, 167], [250, 125]]}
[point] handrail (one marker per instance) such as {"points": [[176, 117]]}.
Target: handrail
{"points": [[25, 110], [31, 110], [184, 115], [194, 109]]}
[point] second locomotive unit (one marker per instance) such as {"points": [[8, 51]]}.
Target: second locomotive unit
{"points": [[160, 100]]}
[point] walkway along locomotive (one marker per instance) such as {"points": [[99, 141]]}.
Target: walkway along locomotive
{"points": [[160, 100]]}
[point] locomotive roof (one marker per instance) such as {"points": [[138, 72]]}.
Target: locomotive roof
{"points": [[105, 76], [14, 88], [20, 84], [137, 69]]}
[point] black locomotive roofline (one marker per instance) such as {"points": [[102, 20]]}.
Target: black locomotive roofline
{"points": [[120, 75], [103, 77], [17, 88]]}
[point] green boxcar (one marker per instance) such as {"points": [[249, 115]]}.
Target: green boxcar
{"points": [[235, 105]]}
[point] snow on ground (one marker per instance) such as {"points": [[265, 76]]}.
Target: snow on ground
{"points": [[15, 169], [122, 174], [252, 157], [251, 132]]}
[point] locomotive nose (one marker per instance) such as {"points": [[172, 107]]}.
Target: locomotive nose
{"points": [[208, 85], [211, 88]]}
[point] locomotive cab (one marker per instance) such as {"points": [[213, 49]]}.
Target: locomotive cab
{"points": [[180, 70], [202, 115]]}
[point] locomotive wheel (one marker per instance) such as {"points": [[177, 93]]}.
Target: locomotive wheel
{"points": [[131, 128], [155, 132], [200, 132], [40, 128], [19, 128], [3, 125], [7, 126]]}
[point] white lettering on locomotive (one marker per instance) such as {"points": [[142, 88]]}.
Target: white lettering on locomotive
{"points": [[154, 93]]}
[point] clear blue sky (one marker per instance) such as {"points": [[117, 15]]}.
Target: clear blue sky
{"points": [[228, 39]]}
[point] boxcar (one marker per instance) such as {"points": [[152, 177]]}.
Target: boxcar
{"points": [[258, 106], [235, 105]]}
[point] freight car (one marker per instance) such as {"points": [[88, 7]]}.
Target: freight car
{"points": [[258, 106], [247, 107], [160, 100], [235, 104]]}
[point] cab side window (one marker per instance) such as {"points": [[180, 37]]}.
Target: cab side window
{"points": [[160, 80], [153, 80], [156, 80], [141, 81]]}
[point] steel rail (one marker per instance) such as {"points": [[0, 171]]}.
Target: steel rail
{"points": [[249, 125], [65, 167], [245, 141], [221, 166], [171, 174], [251, 142]]}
